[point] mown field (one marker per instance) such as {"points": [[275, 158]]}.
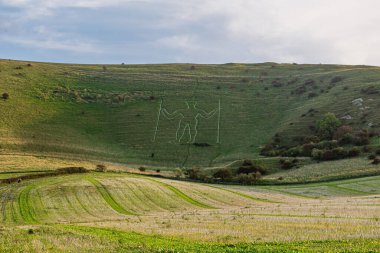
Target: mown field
{"points": [[108, 212], [112, 112]]}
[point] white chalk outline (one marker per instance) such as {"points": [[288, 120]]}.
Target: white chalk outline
{"points": [[187, 127]]}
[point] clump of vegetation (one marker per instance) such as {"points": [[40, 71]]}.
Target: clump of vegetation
{"points": [[5, 96], [327, 126], [249, 167], [370, 90], [332, 141], [142, 169], [202, 144], [376, 161], [101, 168], [336, 79], [249, 179], [222, 174], [288, 164]]}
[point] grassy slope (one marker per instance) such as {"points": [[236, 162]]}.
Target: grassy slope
{"points": [[108, 212], [83, 111]]}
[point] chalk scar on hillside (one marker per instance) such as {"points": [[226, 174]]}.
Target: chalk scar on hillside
{"points": [[188, 120]]}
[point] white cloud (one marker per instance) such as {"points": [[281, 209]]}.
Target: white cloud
{"points": [[313, 31]]}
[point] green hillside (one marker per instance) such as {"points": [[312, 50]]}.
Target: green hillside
{"points": [[131, 113]]}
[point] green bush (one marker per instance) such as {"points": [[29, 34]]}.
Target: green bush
{"points": [[327, 126]]}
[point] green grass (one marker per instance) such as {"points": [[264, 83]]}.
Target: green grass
{"points": [[90, 239], [83, 112]]}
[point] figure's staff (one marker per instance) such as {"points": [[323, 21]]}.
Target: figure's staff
{"points": [[218, 137], [158, 121]]}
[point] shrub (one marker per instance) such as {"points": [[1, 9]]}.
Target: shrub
{"points": [[370, 90], [101, 168], [248, 167], [142, 169], [202, 144], [249, 178], [342, 131], [158, 170], [371, 156], [376, 161], [312, 95], [327, 126], [361, 138], [346, 139], [5, 95], [193, 173], [288, 164], [307, 149], [244, 80], [311, 138], [178, 173], [223, 174], [293, 152], [268, 150], [336, 79], [72, 170], [353, 152]]}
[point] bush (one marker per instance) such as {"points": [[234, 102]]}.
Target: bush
{"points": [[178, 173], [342, 131], [248, 167], [193, 173], [268, 150], [376, 161], [158, 170], [327, 126], [353, 152], [72, 170], [288, 164], [361, 138], [5, 95], [293, 152], [336, 79], [142, 169], [307, 149], [101, 168], [249, 179], [223, 174], [371, 156]]}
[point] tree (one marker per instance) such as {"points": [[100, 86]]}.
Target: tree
{"points": [[327, 126], [222, 173]]}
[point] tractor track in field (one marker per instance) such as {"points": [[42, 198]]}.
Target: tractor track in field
{"points": [[182, 195], [108, 197], [24, 204], [245, 195]]}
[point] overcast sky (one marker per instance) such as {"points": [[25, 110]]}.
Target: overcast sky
{"points": [[196, 31]]}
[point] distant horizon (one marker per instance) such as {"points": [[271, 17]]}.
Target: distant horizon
{"points": [[186, 63]]}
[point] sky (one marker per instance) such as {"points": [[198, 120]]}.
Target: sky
{"points": [[192, 31]]}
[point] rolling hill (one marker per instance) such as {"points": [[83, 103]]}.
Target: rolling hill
{"points": [[132, 113]]}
